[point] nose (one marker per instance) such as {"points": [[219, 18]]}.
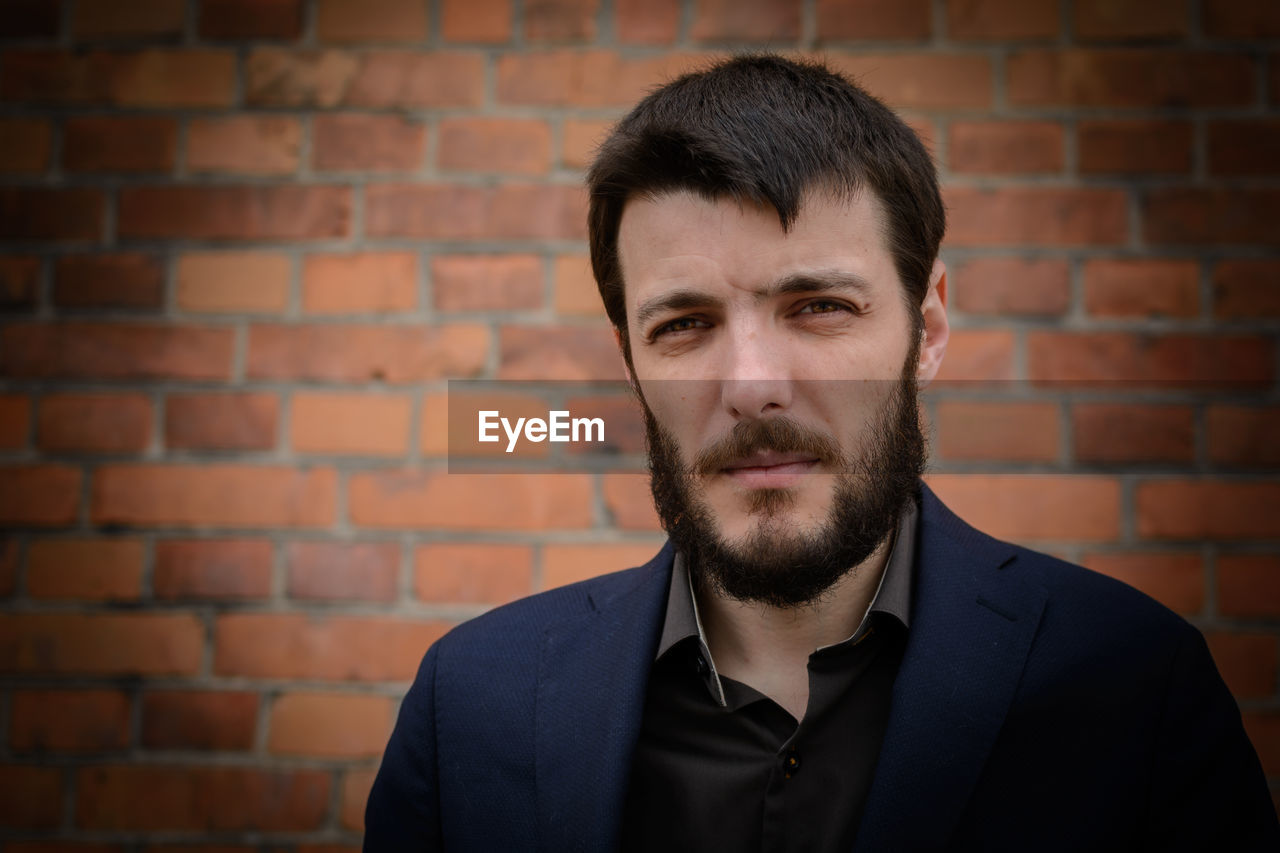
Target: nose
{"points": [[755, 383]]}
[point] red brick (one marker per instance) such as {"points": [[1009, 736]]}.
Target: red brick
{"points": [[33, 797], [1243, 19], [101, 643], [25, 145], [1011, 286], [1129, 77], [212, 568], [8, 565], [560, 20], [245, 19], [565, 564], [585, 353], [402, 80], [1247, 662], [88, 569], [235, 212], [299, 78], [1246, 289], [347, 353], [978, 355], [1244, 435], [1022, 432], [245, 144], [105, 19], [1134, 145], [371, 20], [1244, 147], [873, 19], [472, 574], [120, 144], [356, 784], [484, 21], [1002, 19], [1006, 147], [221, 421], [1249, 586], [233, 282], [579, 140], [330, 725], [343, 571], [1101, 20], [1207, 509], [1142, 288], [461, 212], [115, 351], [509, 146], [95, 422], [375, 143], [33, 213], [321, 646], [486, 282], [1124, 360], [746, 20], [152, 78], [421, 499], [646, 21], [350, 424], [1174, 580], [214, 495], [70, 847], [361, 283], [15, 421], [575, 286], [69, 720], [30, 19], [122, 280], [1030, 507], [199, 719], [593, 78], [629, 501], [449, 424], [206, 799], [39, 494], [910, 80], [1037, 216], [19, 282], [1126, 433]]}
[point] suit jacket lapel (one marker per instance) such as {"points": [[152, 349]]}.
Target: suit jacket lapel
{"points": [[972, 623], [592, 677]]}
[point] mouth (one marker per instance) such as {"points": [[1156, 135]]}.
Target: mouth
{"points": [[769, 469]]}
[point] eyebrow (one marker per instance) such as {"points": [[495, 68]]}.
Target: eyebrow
{"points": [[816, 281]]}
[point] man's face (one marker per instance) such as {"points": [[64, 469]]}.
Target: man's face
{"points": [[778, 372]]}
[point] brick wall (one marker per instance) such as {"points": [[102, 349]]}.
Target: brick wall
{"points": [[244, 243]]}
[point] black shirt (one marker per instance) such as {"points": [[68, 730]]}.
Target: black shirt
{"points": [[720, 766]]}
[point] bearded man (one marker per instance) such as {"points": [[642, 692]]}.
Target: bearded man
{"points": [[823, 657]]}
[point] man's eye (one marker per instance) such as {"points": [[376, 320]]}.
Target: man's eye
{"points": [[823, 306], [682, 324]]}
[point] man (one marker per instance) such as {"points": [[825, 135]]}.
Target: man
{"points": [[823, 657]]}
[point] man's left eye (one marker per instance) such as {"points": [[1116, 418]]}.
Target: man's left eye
{"points": [[823, 306]]}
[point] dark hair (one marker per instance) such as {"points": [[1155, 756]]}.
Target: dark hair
{"points": [[766, 129]]}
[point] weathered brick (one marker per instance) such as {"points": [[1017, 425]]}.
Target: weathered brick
{"points": [[1127, 433], [33, 797], [39, 494], [101, 643], [1036, 216], [1129, 77], [212, 568], [464, 212], [1125, 360], [30, 19], [646, 21], [115, 143], [8, 565], [576, 294], [504, 145], [362, 571], [1002, 19], [330, 725], [745, 20], [486, 282], [1134, 146], [245, 19], [978, 355], [1243, 19], [909, 80], [25, 145], [206, 799], [371, 20], [560, 20], [15, 421], [298, 78], [1035, 507], [35, 213], [115, 351], [233, 282], [1243, 435], [356, 784], [400, 80], [87, 569], [106, 19], [350, 424], [360, 283], [1244, 146], [120, 280], [347, 353], [244, 144], [592, 78], [94, 422], [839, 20], [235, 212], [1246, 288], [579, 140], [19, 282], [629, 501], [1249, 585], [1175, 580], [1011, 286], [586, 353], [152, 78], [1006, 147], [199, 719], [1246, 661], [1103, 20], [1207, 509], [565, 564], [69, 720], [376, 143], [1142, 287], [221, 421], [421, 499], [214, 495], [1023, 432], [484, 21], [321, 646], [472, 574]]}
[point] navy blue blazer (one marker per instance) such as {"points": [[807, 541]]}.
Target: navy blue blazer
{"points": [[1039, 706]]}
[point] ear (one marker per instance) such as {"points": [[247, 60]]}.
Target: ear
{"points": [[936, 329]]}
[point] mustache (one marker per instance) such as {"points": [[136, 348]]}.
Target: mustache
{"points": [[781, 435]]}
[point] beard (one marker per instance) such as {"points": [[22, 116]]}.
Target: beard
{"points": [[776, 564]]}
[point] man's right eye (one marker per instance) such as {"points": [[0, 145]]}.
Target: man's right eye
{"points": [[681, 324]]}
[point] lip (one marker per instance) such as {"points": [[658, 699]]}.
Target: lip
{"points": [[770, 470]]}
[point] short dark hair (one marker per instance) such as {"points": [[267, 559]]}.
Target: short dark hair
{"points": [[766, 129]]}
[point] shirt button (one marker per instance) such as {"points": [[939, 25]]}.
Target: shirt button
{"points": [[791, 764]]}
